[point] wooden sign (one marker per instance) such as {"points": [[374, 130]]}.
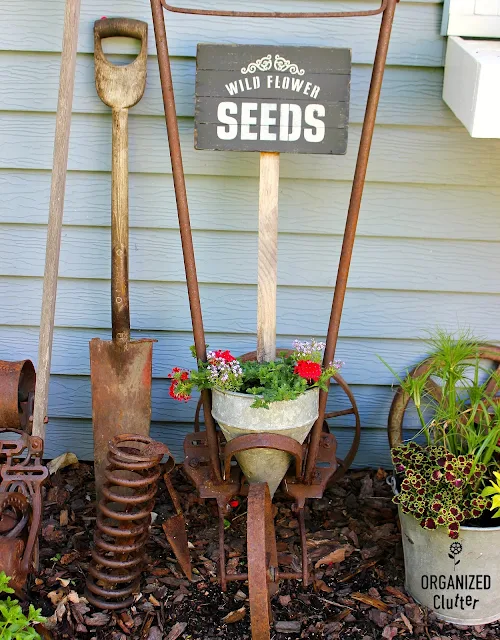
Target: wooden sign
{"points": [[272, 98]]}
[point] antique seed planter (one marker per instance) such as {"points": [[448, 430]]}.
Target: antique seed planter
{"points": [[305, 439], [292, 418], [457, 579]]}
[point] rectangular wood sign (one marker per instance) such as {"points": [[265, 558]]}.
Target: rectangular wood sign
{"points": [[272, 98]]}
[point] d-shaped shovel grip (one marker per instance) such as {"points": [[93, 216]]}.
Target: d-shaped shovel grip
{"points": [[122, 86]]}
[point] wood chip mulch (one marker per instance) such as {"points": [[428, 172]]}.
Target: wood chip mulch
{"points": [[354, 546]]}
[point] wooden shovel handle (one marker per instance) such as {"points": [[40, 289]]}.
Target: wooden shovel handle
{"points": [[120, 87], [120, 310]]}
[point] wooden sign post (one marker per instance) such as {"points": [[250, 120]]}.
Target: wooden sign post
{"points": [[272, 100]]}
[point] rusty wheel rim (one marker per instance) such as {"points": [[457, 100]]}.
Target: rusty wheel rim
{"points": [[262, 559], [346, 462], [402, 400]]}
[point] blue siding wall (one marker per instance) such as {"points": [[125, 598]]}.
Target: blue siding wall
{"points": [[428, 246]]}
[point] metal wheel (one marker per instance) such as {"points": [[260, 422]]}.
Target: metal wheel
{"points": [[262, 559], [352, 410], [401, 400]]}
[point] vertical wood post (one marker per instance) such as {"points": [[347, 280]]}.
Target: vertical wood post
{"points": [[267, 278], [56, 208]]}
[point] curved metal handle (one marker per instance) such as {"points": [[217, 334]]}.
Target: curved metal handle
{"points": [[275, 14]]}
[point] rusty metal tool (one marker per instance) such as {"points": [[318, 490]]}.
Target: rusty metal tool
{"points": [[121, 369], [175, 529], [317, 464], [123, 521]]}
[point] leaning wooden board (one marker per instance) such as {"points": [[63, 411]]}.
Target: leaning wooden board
{"points": [[272, 99]]}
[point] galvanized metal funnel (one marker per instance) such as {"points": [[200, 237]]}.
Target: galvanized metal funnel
{"points": [[293, 418]]}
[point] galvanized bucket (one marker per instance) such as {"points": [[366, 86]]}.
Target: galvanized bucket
{"points": [[292, 418], [457, 579]]}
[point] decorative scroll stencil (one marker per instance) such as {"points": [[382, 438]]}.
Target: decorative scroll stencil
{"points": [[266, 63]]}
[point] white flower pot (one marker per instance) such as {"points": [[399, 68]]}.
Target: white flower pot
{"points": [[459, 582], [292, 418]]}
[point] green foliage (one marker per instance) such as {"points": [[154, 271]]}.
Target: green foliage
{"points": [[286, 378], [438, 488], [463, 416], [14, 623], [460, 418], [272, 381], [494, 490]]}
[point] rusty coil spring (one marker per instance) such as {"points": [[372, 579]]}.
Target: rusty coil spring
{"points": [[123, 520]]}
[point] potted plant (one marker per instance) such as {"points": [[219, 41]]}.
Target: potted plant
{"points": [[444, 485], [261, 397]]}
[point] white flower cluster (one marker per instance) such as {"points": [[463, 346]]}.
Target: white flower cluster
{"points": [[308, 348], [338, 364], [223, 374]]}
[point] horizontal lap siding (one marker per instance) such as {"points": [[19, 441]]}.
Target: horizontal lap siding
{"points": [[427, 250]]}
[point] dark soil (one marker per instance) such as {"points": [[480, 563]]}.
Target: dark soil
{"points": [[361, 597]]}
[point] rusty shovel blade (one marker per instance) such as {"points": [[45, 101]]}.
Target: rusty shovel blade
{"points": [[176, 534], [120, 375]]}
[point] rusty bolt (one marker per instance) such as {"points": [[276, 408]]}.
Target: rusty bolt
{"points": [[194, 463]]}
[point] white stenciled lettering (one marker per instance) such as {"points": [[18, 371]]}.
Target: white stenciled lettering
{"points": [[290, 131], [286, 82], [230, 131], [232, 88], [269, 81], [307, 87], [266, 121], [311, 117], [297, 84], [248, 120], [315, 92]]}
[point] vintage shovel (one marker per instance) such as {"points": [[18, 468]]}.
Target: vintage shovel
{"points": [[120, 370]]}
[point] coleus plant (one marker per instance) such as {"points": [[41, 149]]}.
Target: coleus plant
{"points": [[285, 378], [439, 488]]}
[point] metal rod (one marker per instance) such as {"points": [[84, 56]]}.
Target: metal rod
{"points": [[303, 544], [56, 210], [274, 14], [184, 221], [222, 551], [352, 221]]}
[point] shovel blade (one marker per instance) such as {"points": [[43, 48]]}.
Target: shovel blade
{"points": [[175, 531], [120, 376]]}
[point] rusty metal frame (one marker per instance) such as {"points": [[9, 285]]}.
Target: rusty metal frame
{"points": [[274, 14], [22, 475], [204, 451]]}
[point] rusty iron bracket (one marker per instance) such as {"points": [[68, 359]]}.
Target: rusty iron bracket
{"points": [[22, 474]]}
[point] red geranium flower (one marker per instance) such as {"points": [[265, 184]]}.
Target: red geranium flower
{"points": [[173, 393], [308, 370], [225, 355]]}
